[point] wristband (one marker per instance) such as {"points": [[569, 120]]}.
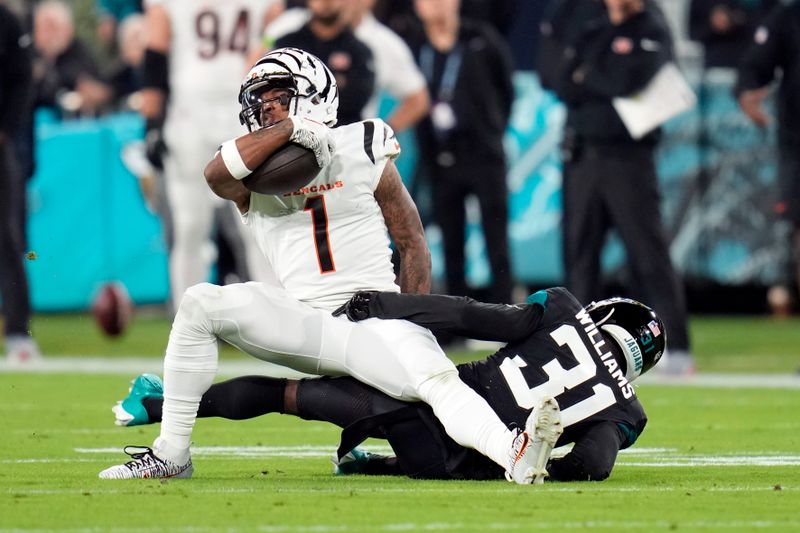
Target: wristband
{"points": [[233, 160]]}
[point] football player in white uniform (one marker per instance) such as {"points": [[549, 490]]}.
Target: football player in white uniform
{"points": [[325, 242], [194, 48]]}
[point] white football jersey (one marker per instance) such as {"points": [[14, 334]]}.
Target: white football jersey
{"points": [[209, 43], [329, 239]]}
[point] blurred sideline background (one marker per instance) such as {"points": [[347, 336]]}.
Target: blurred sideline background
{"points": [[89, 222]]}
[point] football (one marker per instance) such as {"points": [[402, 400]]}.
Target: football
{"points": [[288, 169], [112, 309]]}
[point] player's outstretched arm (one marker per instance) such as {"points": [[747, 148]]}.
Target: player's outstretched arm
{"points": [[254, 148], [405, 227]]}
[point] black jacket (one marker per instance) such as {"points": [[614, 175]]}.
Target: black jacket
{"points": [[482, 95], [587, 61], [15, 73], [776, 46]]}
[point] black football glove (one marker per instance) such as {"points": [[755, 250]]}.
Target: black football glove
{"points": [[155, 147], [357, 308]]}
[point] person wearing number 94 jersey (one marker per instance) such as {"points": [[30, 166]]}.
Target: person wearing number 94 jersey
{"points": [[192, 47], [585, 357], [324, 242]]}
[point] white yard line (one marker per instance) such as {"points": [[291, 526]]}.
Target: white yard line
{"points": [[637, 457], [131, 366]]}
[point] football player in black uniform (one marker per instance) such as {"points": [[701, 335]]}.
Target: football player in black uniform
{"points": [[585, 358]]}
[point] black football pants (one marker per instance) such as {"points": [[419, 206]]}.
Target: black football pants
{"points": [[451, 186], [13, 279]]}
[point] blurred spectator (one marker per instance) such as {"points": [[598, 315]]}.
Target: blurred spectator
{"points": [[589, 55], [468, 69], [191, 47], [724, 27], [400, 15], [498, 13], [395, 70], [15, 86], [127, 79], [396, 73], [65, 74], [110, 14], [328, 36], [774, 56]]}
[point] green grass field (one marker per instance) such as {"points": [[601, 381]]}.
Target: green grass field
{"points": [[711, 459]]}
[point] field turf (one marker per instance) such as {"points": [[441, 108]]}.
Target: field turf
{"points": [[711, 458]]}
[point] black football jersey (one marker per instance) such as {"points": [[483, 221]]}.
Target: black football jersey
{"points": [[563, 356]]}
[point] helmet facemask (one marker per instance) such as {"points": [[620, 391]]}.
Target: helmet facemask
{"points": [[250, 97]]}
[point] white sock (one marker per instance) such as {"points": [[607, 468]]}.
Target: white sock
{"points": [[467, 417], [190, 365]]}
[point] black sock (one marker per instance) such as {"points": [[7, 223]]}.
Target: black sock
{"points": [[235, 399]]}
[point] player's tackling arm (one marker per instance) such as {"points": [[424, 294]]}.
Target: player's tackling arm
{"points": [[405, 228], [254, 148], [460, 315], [592, 457]]}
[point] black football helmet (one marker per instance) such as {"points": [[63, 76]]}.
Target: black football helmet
{"points": [[637, 330]]}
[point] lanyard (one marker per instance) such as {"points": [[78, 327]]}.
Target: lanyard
{"points": [[452, 66]]}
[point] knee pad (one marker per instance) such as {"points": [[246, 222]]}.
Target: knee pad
{"points": [[192, 308], [204, 304], [192, 341]]}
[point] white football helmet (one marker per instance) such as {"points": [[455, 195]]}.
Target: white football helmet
{"points": [[313, 89]]}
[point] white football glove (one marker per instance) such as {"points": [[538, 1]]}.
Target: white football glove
{"points": [[314, 136]]}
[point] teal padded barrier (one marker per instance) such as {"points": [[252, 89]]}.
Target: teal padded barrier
{"points": [[87, 222]]}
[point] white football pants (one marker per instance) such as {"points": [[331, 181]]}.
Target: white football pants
{"points": [[397, 357]]}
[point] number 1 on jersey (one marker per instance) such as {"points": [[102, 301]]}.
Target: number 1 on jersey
{"points": [[319, 218]]}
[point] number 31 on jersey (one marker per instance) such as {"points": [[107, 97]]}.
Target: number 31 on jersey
{"points": [[560, 379]]}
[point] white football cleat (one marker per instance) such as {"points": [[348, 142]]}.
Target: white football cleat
{"points": [[531, 449], [146, 464], [22, 351]]}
